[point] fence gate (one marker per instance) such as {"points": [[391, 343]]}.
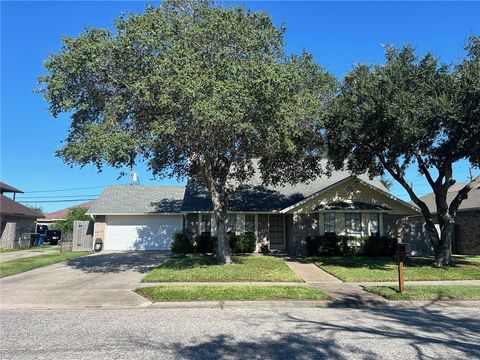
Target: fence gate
{"points": [[82, 236]]}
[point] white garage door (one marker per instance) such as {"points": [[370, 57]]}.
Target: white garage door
{"points": [[141, 232]]}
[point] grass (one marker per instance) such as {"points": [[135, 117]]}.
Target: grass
{"points": [[17, 266], [6, 250], [201, 268], [361, 268], [230, 293], [423, 292]]}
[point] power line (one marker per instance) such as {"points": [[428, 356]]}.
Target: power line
{"points": [[53, 201], [57, 190], [53, 196]]}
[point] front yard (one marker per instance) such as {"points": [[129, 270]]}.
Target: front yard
{"points": [[230, 293], [362, 269], [423, 292], [17, 266], [202, 268]]}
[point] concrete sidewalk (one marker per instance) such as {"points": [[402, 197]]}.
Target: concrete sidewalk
{"points": [[435, 282], [19, 254], [309, 272], [344, 294]]}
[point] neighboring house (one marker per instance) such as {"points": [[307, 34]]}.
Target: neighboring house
{"points": [[16, 219], [467, 232], [49, 218], [146, 217]]}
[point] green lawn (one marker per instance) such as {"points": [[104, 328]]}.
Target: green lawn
{"points": [[424, 292], [360, 268], [16, 266], [230, 292], [6, 250], [193, 268]]}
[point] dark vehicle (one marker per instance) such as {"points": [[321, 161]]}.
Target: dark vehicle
{"points": [[53, 237]]}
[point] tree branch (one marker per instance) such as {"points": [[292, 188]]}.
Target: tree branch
{"points": [[424, 170], [462, 195]]}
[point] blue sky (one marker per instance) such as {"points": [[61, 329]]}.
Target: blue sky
{"points": [[339, 34]]}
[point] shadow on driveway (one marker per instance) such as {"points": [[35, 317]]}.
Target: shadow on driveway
{"points": [[138, 261]]}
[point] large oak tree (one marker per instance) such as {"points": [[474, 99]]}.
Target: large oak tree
{"points": [[195, 89], [412, 112]]}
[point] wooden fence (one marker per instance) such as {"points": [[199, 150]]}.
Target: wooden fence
{"points": [[81, 239]]}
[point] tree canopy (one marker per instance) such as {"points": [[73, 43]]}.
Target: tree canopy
{"points": [[412, 111], [72, 215], [195, 89]]}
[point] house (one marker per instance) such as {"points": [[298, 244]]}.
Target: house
{"points": [[49, 218], [16, 219], [467, 232], [146, 217]]}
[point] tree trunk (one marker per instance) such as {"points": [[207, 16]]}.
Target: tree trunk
{"points": [[443, 255], [220, 212], [223, 247]]}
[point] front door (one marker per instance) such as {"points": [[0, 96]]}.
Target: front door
{"points": [[276, 232]]}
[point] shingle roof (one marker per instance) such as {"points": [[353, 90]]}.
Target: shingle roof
{"points": [[7, 188], [470, 203], [252, 196], [138, 199], [60, 214], [13, 208]]}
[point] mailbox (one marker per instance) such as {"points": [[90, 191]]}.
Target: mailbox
{"points": [[401, 248]]}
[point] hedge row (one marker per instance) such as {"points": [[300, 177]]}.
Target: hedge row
{"points": [[337, 245], [206, 243]]}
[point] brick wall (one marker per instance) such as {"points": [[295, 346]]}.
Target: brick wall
{"points": [[468, 233]]}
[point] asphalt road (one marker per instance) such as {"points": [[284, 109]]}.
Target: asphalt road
{"points": [[242, 333]]}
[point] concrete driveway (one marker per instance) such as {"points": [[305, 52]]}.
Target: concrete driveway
{"points": [[101, 280], [7, 256]]}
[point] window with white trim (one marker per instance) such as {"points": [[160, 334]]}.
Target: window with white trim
{"points": [[206, 224], [375, 224], [353, 223], [329, 222], [249, 223], [231, 223]]}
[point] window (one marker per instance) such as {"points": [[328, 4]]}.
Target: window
{"points": [[249, 224], [206, 224], [275, 229], [329, 222], [192, 224], [375, 224], [353, 223], [231, 223]]}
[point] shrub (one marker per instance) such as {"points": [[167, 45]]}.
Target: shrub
{"points": [[334, 245], [245, 243], [379, 246], [182, 243], [313, 245], [205, 243]]}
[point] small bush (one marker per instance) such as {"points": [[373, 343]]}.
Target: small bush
{"points": [[379, 246], [313, 245], [245, 243], [182, 243], [205, 243]]}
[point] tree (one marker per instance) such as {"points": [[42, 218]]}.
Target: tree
{"points": [[412, 112], [72, 215], [193, 89], [37, 208]]}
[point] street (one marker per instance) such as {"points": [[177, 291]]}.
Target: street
{"points": [[434, 332]]}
